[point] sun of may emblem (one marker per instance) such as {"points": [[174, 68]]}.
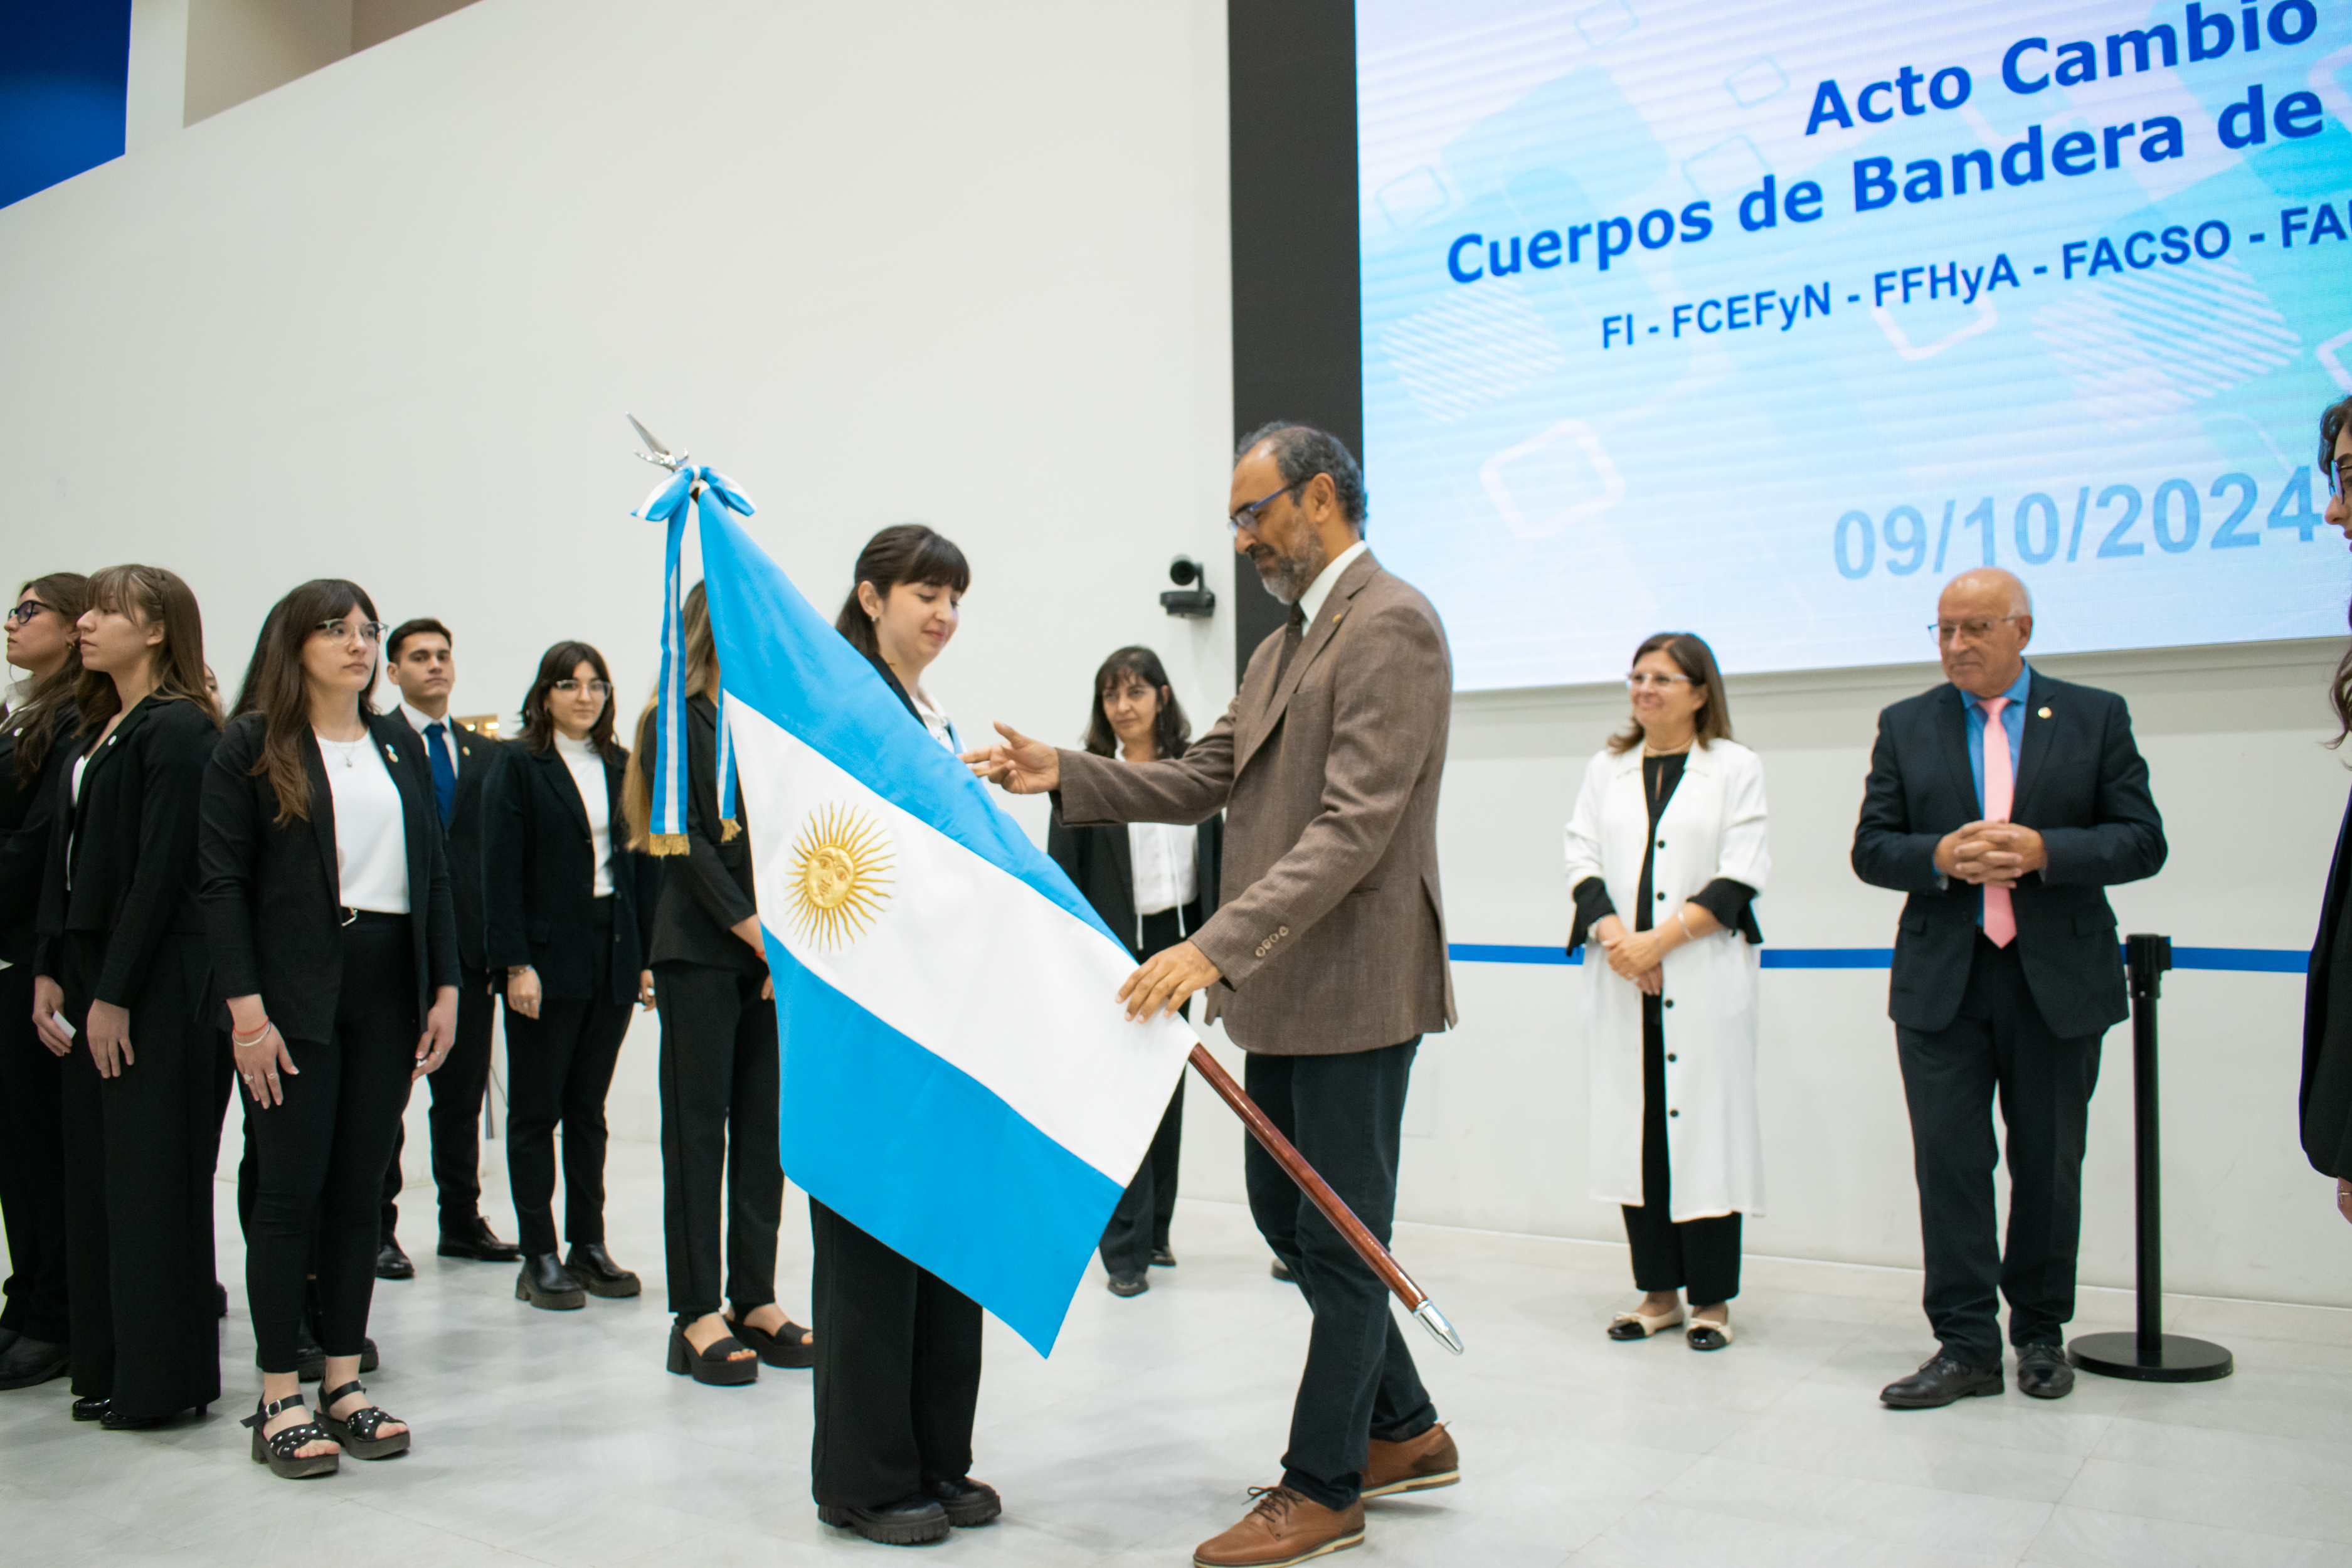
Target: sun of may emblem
{"points": [[840, 876]]}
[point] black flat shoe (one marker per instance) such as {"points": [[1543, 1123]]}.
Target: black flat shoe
{"points": [[719, 1366], [480, 1244], [1941, 1381], [279, 1450], [29, 1362], [1161, 1258], [90, 1407], [966, 1501], [909, 1521], [1129, 1285], [220, 1300], [310, 1356], [1282, 1273], [392, 1263], [783, 1348], [2043, 1371], [359, 1431], [597, 1273], [545, 1282], [113, 1420]]}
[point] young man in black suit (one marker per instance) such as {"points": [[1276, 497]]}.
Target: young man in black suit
{"points": [[2004, 802], [419, 659]]}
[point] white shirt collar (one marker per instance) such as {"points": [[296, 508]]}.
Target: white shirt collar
{"points": [[1311, 601], [417, 721]]}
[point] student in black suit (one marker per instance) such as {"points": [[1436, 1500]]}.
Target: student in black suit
{"points": [[123, 938], [565, 907], [2005, 804], [326, 899], [420, 661], [718, 1062], [36, 740], [2323, 1102], [1153, 883]]}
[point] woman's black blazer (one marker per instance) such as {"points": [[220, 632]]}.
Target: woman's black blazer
{"points": [[706, 891], [538, 874], [26, 812], [1100, 860], [273, 897], [128, 845]]}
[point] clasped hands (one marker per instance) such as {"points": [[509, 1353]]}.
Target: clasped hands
{"points": [[1636, 955], [1991, 854]]}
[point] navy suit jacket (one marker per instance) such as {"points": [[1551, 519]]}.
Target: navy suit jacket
{"points": [[2081, 783]]}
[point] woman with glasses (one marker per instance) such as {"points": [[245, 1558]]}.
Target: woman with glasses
{"points": [[335, 940], [563, 911], [1665, 856], [1153, 883], [36, 740], [2324, 1106]]}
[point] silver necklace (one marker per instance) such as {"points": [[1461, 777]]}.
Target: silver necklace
{"points": [[348, 749]]}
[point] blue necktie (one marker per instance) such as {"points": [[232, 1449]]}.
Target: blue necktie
{"points": [[445, 772]]}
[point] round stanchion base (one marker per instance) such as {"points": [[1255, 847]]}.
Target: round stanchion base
{"points": [[2180, 1359]]}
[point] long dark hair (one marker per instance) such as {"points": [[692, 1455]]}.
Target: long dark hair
{"points": [[2332, 421], [700, 678], [148, 594], [275, 687], [34, 720], [903, 552], [1695, 659], [557, 664], [1171, 730]]}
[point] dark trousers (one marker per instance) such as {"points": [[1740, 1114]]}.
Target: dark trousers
{"points": [[559, 1069], [32, 1167], [1998, 1044], [318, 1158], [719, 1087], [1346, 1115], [1139, 1223], [139, 1156], [898, 1371], [1702, 1254], [457, 1086]]}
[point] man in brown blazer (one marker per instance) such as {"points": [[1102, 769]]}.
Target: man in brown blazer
{"points": [[1328, 962]]}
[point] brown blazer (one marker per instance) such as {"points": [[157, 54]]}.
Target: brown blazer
{"points": [[1332, 938]]}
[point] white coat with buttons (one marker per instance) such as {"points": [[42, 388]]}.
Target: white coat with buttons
{"points": [[1713, 826]]}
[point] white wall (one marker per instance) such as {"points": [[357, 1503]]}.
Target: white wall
{"points": [[968, 265]]}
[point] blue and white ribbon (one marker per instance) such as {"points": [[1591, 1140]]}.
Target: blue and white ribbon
{"points": [[713, 495]]}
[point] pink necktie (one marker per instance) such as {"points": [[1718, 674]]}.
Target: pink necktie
{"points": [[2000, 918]]}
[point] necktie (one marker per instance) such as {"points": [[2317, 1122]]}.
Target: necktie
{"points": [[445, 769], [2000, 783], [1293, 633]]}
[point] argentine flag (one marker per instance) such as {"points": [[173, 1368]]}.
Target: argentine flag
{"points": [[960, 1079]]}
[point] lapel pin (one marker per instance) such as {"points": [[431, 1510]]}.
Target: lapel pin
{"points": [[2046, 713], [393, 755]]}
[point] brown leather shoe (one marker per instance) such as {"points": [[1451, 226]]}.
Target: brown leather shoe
{"points": [[1414, 1465], [1286, 1527]]}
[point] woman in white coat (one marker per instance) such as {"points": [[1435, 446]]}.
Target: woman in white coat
{"points": [[1666, 855]]}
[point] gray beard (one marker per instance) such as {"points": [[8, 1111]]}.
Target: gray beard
{"points": [[1288, 578]]}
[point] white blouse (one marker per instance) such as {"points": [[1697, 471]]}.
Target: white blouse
{"points": [[1165, 875], [587, 765], [370, 841]]}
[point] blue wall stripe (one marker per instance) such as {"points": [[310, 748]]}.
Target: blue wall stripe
{"points": [[2249, 960]]}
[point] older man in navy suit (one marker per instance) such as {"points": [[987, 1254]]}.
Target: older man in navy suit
{"points": [[2005, 803]]}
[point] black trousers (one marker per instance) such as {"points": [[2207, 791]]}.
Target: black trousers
{"points": [[1139, 1223], [32, 1167], [720, 1080], [1346, 1115], [1699, 1255], [139, 1156], [559, 1069], [457, 1086], [898, 1371], [318, 1158], [1997, 1046]]}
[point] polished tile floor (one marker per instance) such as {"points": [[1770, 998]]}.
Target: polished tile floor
{"points": [[557, 1439]]}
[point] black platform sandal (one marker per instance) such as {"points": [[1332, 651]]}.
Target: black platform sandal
{"points": [[280, 1450], [358, 1431], [783, 1348], [716, 1366]]}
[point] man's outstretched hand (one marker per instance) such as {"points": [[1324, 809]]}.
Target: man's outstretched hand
{"points": [[1166, 979], [1017, 764]]}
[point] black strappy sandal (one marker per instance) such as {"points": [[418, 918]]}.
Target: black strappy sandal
{"points": [[783, 1348], [280, 1450], [717, 1366], [358, 1431]]}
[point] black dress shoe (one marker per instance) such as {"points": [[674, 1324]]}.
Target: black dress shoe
{"points": [[392, 1263], [2043, 1373], [90, 1407], [310, 1356], [113, 1420], [220, 1300], [1161, 1258], [8, 1337], [967, 1503], [30, 1361], [593, 1267], [909, 1521], [1940, 1381], [480, 1243], [1282, 1273], [545, 1282], [1128, 1284]]}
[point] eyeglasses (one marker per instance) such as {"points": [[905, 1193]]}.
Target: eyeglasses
{"points": [[1248, 516], [1975, 631], [27, 611], [570, 688], [343, 631], [1639, 679]]}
